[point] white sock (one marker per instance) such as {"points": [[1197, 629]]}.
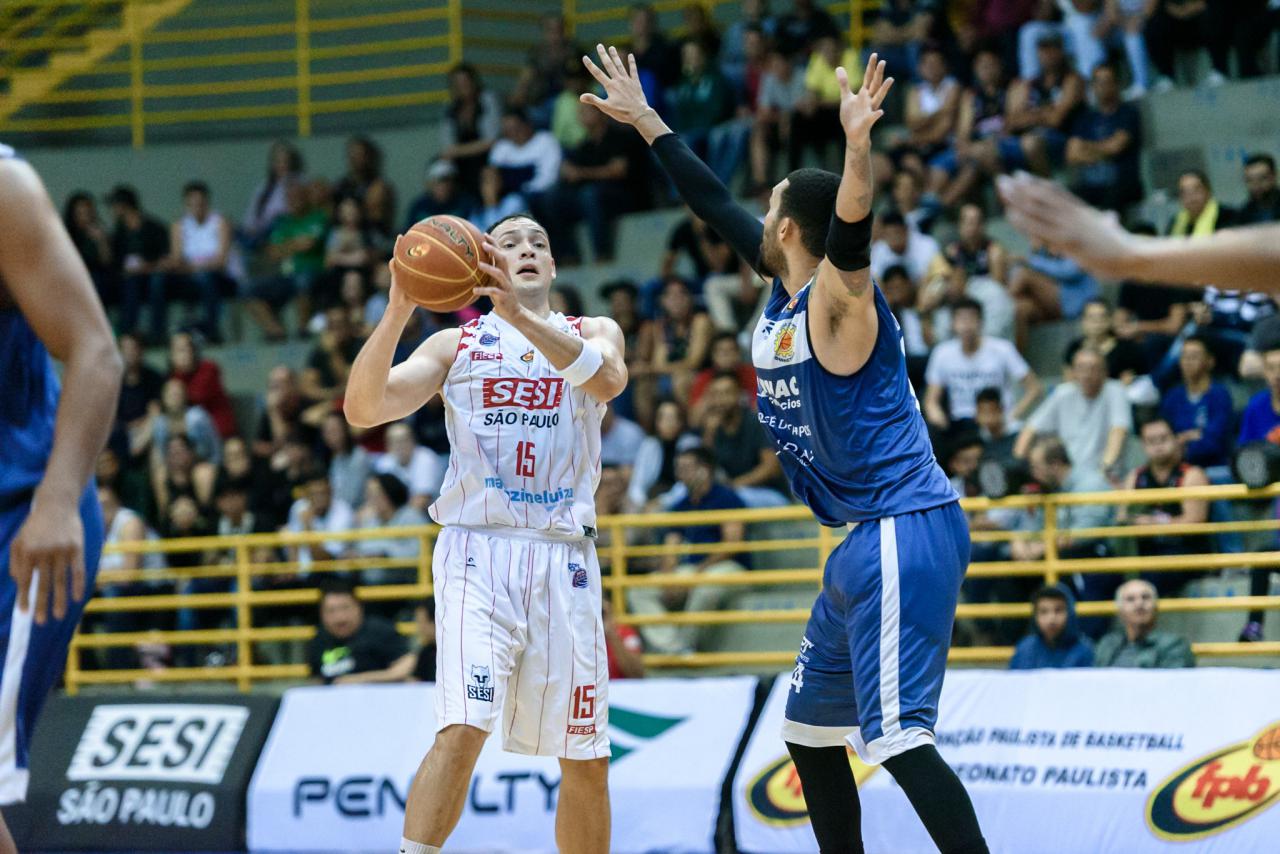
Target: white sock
{"points": [[408, 847]]}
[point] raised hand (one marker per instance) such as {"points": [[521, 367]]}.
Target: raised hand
{"points": [[860, 110], [625, 101], [498, 287]]}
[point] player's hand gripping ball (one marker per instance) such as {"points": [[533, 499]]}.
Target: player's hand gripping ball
{"points": [[437, 263]]}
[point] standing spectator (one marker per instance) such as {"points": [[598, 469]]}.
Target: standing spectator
{"points": [[318, 510], [933, 105], [980, 144], [1164, 469], [964, 365], [593, 187], [1055, 639], [199, 264], [654, 474], [1090, 413], [897, 244], [998, 436], [297, 244], [202, 379], [702, 107], [755, 18], [139, 246], [1105, 141], [528, 160], [1261, 415], [1039, 110], [350, 648], [420, 468], [622, 645], [975, 251], [443, 194], [1187, 25], [1125, 359], [695, 469], [364, 182], [1048, 287], [80, 216], [349, 465], [741, 449], [269, 201], [1199, 410], [470, 127], [805, 24], [672, 347], [1264, 196], [781, 91], [1138, 643], [1199, 212]]}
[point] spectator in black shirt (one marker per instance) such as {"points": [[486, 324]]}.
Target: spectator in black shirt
{"points": [[141, 385], [804, 25], [1264, 196], [350, 648], [424, 659], [742, 450], [700, 243], [139, 246], [325, 377], [1104, 145], [1125, 359], [656, 58], [593, 186], [80, 216]]}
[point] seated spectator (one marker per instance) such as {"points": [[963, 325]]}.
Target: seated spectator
{"points": [[202, 379], [286, 475], [1105, 141], [318, 510], [199, 264], [620, 440], [324, 380], [980, 145], [725, 356], [281, 415], [1199, 410], [348, 247], [1264, 196], [907, 194], [140, 386], [1261, 415], [350, 648], [960, 454], [933, 106], [898, 244], [653, 475], [950, 286], [175, 416], [364, 182], [139, 248], [672, 347], [424, 658], [386, 505], [695, 469], [1125, 21], [495, 205], [816, 121], [622, 645], [1138, 643], [1176, 25], [1039, 110], [1044, 19], [1224, 321], [702, 111], [964, 365], [419, 468], [80, 216], [296, 242], [543, 74], [699, 243], [1089, 412], [471, 125], [754, 18], [593, 187], [177, 473], [1125, 359], [527, 160], [1055, 639], [741, 448], [656, 58], [899, 30], [781, 91], [1165, 468], [349, 464], [975, 251], [917, 336], [998, 436], [269, 201], [698, 28], [1199, 212], [806, 23], [1048, 287], [566, 108], [442, 195]]}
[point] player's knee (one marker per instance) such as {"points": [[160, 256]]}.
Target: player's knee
{"points": [[593, 773], [459, 740]]}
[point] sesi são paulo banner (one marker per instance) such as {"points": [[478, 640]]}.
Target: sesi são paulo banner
{"points": [[337, 766], [1063, 762]]}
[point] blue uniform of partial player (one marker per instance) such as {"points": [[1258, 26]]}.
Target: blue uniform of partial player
{"points": [[31, 656], [856, 451]]}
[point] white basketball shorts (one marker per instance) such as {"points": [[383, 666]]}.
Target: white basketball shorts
{"points": [[519, 634]]}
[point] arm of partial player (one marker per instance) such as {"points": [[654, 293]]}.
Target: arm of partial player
{"points": [[378, 393], [561, 349], [46, 278]]}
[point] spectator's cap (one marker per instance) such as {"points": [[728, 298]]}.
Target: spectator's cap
{"points": [[393, 487], [1051, 38], [441, 170], [610, 288]]}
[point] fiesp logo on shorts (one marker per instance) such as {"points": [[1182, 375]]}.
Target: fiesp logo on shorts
{"points": [[775, 795], [524, 392], [1218, 791]]}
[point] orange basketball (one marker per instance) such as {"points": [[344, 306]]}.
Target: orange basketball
{"points": [[1267, 747], [437, 263]]}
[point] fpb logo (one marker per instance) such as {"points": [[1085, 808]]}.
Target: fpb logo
{"points": [[1218, 791], [776, 797]]}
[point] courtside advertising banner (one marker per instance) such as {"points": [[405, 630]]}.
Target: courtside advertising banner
{"points": [[131, 773], [337, 766], [1063, 762]]}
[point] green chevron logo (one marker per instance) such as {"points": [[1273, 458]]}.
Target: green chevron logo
{"points": [[630, 730]]}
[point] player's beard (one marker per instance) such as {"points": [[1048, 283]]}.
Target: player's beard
{"points": [[771, 254]]}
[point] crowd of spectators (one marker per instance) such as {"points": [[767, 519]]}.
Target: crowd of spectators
{"points": [[985, 87]]}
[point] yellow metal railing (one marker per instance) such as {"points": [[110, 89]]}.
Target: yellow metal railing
{"points": [[619, 559]]}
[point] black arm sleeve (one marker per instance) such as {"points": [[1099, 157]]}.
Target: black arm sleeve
{"points": [[710, 199]]}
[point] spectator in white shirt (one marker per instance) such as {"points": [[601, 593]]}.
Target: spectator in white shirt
{"points": [[1090, 414], [528, 160], [421, 469], [318, 510], [900, 245], [964, 365]]}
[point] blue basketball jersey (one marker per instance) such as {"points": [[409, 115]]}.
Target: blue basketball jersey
{"points": [[854, 448]]}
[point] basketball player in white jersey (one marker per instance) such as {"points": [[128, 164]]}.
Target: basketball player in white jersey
{"points": [[517, 585]]}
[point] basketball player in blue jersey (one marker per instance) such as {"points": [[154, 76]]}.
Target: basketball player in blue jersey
{"points": [[50, 522], [833, 393]]}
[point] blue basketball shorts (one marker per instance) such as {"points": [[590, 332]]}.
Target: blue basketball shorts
{"points": [[874, 652], [32, 656]]}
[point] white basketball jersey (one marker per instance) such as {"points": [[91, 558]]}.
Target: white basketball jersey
{"points": [[524, 444]]}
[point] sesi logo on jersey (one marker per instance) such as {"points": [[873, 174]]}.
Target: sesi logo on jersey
{"points": [[526, 393]]}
